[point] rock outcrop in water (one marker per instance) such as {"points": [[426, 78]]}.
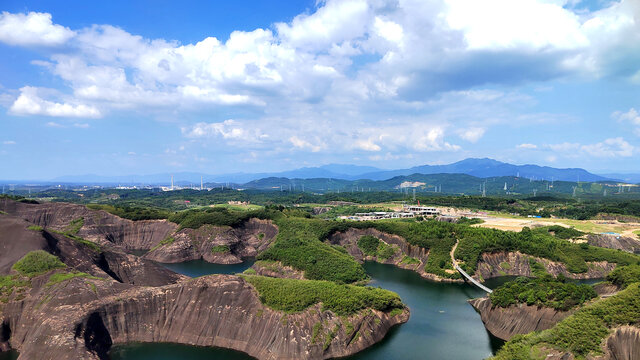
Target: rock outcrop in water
{"points": [[124, 298], [82, 319], [217, 244], [504, 323], [349, 239]]}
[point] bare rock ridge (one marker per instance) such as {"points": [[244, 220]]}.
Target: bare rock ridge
{"points": [[217, 244], [83, 322], [127, 298], [627, 244], [16, 240], [517, 264], [98, 226], [504, 323]]}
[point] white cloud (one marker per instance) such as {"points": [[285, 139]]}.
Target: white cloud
{"points": [[366, 145], [632, 117], [29, 103], [32, 29], [610, 148], [343, 67], [8, 142], [527, 146], [228, 130], [472, 134], [54, 124], [304, 144]]}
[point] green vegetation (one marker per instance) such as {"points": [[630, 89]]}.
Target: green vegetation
{"points": [[64, 276], [581, 333], [623, 276], [317, 328], [475, 241], [298, 245], [218, 249], [38, 262], [74, 226], [10, 284], [505, 265], [407, 260], [167, 241], [469, 221], [369, 245], [560, 232], [134, 213], [218, 216], [290, 295], [71, 232], [34, 228], [543, 291]]}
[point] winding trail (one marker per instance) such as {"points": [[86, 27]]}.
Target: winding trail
{"points": [[464, 273]]}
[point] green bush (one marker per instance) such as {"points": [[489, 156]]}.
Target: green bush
{"points": [[220, 249], [34, 228], [64, 276], [581, 333], [624, 275], [369, 245], [543, 292], [292, 295], [298, 245], [38, 262]]}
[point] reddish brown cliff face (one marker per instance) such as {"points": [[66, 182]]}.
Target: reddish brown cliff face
{"points": [[217, 244], [98, 226], [504, 323], [82, 319]]}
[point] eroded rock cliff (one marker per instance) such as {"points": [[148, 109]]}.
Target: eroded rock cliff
{"points": [[96, 225], [504, 323], [216, 244], [82, 319], [517, 264]]}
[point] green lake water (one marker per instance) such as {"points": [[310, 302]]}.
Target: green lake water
{"points": [[442, 324]]}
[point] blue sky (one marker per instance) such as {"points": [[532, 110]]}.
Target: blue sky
{"points": [[141, 87]]}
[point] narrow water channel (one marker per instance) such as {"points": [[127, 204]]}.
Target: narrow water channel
{"points": [[442, 324]]}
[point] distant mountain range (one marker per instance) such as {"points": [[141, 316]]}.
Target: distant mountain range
{"points": [[480, 168]]}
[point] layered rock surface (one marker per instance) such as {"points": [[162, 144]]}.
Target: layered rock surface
{"points": [[98, 226], [517, 264], [217, 244], [504, 323], [82, 321]]}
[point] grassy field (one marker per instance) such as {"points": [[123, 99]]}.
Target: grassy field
{"points": [[248, 207]]}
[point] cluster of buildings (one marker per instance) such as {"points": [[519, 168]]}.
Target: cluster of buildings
{"points": [[408, 211]]}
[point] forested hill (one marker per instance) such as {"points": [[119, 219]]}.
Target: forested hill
{"points": [[441, 183]]}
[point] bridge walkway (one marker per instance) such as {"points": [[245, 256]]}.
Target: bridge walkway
{"points": [[464, 273]]}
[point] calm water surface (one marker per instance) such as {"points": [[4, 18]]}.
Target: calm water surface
{"points": [[442, 324], [9, 355], [197, 268]]}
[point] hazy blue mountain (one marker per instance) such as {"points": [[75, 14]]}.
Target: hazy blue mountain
{"points": [[484, 168], [481, 168], [628, 178]]}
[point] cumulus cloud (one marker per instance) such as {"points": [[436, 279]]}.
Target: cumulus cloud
{"points": [[609, 148], [32, 29], [631, 117], [472, 134], [29, 103], [228, 130], [332, 68]]}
